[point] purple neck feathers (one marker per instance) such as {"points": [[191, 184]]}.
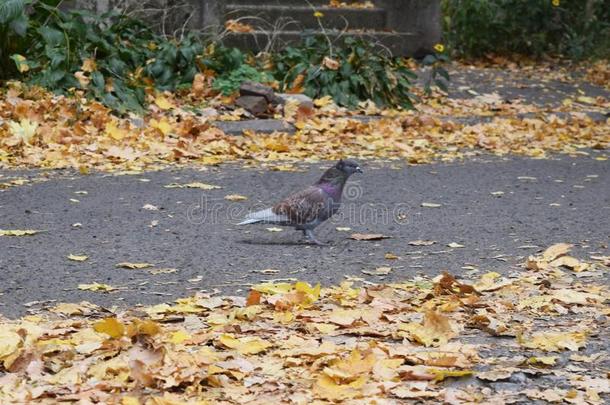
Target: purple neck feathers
{"points": [[333, 190], [332, 182]]}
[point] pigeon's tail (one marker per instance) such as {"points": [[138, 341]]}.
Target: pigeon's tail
{"points": [[264, 216]]}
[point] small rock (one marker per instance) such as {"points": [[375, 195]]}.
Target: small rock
{"points": [[518, 378], [303, 100], [256, 105], [137, 122], [208, 112], [258, 90]]}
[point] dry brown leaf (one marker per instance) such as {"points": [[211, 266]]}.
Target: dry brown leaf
{"points": [[134, 266], [368, 236], [436, 330], [555, 251]]}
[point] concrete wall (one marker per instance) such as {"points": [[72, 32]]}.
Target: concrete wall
{"points": [[166, 16], [420, 16], [421, 19]]}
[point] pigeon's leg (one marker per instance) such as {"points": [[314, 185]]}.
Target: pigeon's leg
{"points": [[311, 237]]}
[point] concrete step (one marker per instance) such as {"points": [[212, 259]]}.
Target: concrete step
{"points": [[303, 3], [334, 18], [399, 43]]}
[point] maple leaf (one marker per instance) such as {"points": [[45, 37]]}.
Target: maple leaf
{"points": [[162, 125], [436, 330], [554, 341], [23, 130], [326, 388], [244, 345], [163, 102], [96, 287], [110, 326], [9, 343]]}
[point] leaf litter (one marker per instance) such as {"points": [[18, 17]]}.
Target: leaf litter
{"points": [[291, 342], [43, 130]]}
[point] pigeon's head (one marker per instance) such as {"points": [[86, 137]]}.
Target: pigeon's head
{"points": [[348, 166]]}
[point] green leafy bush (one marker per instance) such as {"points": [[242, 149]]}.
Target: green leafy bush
{"points": [[349, 71], [118, 60], [114, 58], [13, 27], [576, 29], [15, 21]]}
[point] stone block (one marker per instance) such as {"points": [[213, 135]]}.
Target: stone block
{"points": [[256, 105], [303, 100], [257, 89]]}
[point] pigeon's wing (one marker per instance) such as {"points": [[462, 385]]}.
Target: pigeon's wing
{"points": [[305, 206]]}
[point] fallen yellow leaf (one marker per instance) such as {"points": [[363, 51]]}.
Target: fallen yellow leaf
{"points": [[130, 401], [554, 341], [542, 360], [327, 388], [9, 342], [245, 345], [110, 326], [163, 102], [162, 125], [96, 287], [78, 258], [436, 329], [18, 232], [179, 337], [235, 197], [555, 251]]}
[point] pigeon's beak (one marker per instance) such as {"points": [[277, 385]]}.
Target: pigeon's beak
{"points": [[358, 169]]}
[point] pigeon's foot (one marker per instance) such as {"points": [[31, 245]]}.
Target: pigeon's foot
{"points": [[311, 238]]}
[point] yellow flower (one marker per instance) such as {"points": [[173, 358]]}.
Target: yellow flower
{"points": [[318, 14], [556, 3], [439, 48]]}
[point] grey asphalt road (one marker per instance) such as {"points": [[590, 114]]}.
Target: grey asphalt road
{"points": [[500, 210], [520, 85]]}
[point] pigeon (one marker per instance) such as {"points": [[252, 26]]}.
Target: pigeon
{"points": [[308, 208]]}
